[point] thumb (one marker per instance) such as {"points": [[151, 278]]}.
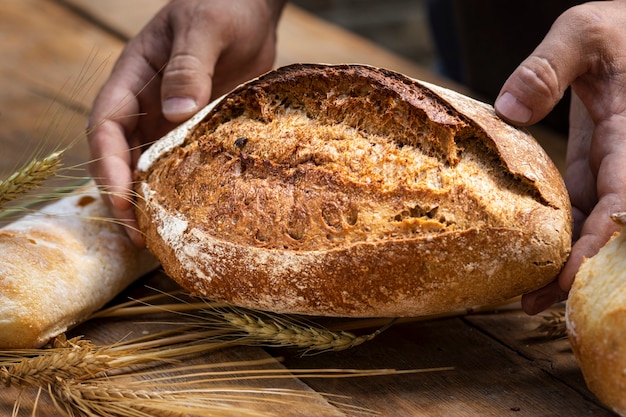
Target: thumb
{"points": [[186, 83], [540, 81]]}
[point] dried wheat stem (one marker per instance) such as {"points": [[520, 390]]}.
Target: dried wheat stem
{"points": [[248, 327], [93, 399], [30, 176]]}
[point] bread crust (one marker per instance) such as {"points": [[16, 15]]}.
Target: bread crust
{"points": [[353, 191], [596, 320], [61, 264]]}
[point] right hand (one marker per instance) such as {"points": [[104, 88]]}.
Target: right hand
{"points": [[584, 50], [190, 52]]}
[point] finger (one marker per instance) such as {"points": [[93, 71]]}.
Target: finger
{"points": [[113, 174], [540, 81], [114, 116], [186, 83], [111, 169], [118, 190], [579, 177], [596, 232], [537, 301], [598, 226]]}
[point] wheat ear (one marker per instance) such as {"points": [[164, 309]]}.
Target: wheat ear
{"points": [[72, 359], [30, 176], [273, 330]]}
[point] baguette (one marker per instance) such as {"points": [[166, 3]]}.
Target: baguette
{"points": [[352, 191], [59, 265], [596, 320]]}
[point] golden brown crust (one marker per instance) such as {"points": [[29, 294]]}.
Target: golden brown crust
{"points": [[596, 321], [353, 191], [60, 265]]}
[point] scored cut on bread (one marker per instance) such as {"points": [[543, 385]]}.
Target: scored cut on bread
{"points": [[348, 190], [60, 264]]}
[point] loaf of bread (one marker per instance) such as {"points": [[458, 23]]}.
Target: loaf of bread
{"points": [[352, 191], [59, 265], [596, 320]]}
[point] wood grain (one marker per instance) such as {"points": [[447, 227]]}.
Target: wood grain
{"points": [[490, 378], [51, 68]]}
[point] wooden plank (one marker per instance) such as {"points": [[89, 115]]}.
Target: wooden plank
{"points": [[122, 17], [520, 333], [52, 64], [488, 378]]}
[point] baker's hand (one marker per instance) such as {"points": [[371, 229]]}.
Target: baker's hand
{"points": [[585, 49], [190, 52]]}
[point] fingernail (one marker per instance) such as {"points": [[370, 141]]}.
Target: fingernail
{"points": [[175, 106], [512, 109]]}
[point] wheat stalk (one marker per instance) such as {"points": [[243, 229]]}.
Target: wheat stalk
{"points": [[30, 176], [103, 400], [99, 398], [73, 359], [232, 324], [207, 390]]}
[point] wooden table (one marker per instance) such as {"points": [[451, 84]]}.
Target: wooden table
{"points": [[502, 365]]}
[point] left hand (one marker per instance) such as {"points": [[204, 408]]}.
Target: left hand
{"points": [[585, 49]]}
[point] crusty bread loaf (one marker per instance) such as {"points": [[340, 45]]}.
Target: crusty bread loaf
{"points": [[59, 265], [596, 320], [352, 191]]}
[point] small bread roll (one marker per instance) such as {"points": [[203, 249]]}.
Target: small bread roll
{"points": [[596, 320], [352, 191], [59, 265]]}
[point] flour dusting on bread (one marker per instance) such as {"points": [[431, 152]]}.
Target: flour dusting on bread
{"points": [[351, 190]]}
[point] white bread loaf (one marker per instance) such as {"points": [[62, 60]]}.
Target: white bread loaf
{"points": [[352, 191], [59, 265], [596, 320]]}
